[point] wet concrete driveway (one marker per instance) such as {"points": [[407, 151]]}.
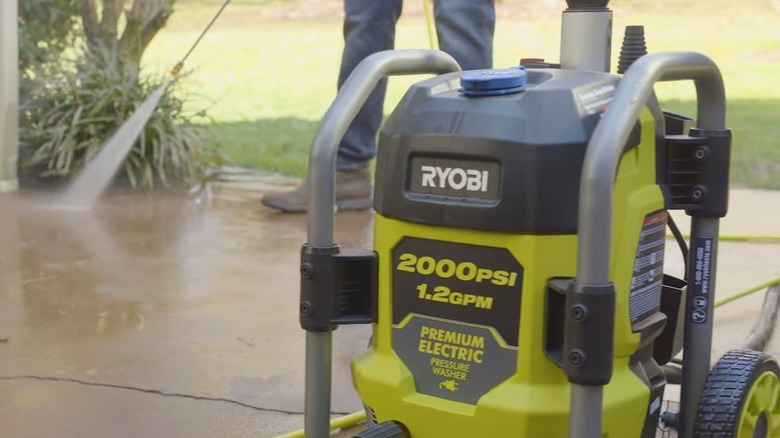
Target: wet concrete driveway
{"points": [[156, 316], [161, 316]]}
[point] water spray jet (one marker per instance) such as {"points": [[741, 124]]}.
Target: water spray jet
{"points": [[94, 179]]}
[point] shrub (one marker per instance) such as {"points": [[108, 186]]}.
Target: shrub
{"points": [[71, 112], [46, 29]]}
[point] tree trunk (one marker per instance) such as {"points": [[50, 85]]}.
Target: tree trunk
{"points": [[112, 10], [89, 17], [144, 20]]}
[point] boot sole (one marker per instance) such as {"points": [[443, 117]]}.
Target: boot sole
{"points": [[354, 204], [285, 208], [346, 205]]}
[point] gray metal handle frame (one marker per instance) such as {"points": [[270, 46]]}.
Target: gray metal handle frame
{"points": [[322, 180], [596, 208]]}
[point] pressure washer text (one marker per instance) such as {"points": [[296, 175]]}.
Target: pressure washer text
{"points": [[451, 345], [463, 271], [450, 369]]}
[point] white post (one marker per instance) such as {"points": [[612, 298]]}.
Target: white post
{"points": [[9, 95]]}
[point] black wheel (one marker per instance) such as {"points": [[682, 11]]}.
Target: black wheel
{"points": [[387, 429], [741, 398]]}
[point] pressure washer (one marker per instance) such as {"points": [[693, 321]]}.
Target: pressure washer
{"points": [[516, 286]]}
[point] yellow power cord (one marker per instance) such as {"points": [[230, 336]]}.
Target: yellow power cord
{"points": [[432, 39], [765, 238], [337, 423], [747, 292]]}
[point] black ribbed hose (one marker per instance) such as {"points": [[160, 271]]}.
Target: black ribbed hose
{"points": [[634, 47]]}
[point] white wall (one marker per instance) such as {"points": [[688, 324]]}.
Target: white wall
{"points": [[9, 95]]}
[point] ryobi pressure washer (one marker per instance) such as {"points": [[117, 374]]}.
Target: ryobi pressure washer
{"points": [[516, 284]]}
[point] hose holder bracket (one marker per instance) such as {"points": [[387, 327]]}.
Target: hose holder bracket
{"points": [[337, 287], [695, 172], [588, 331]]}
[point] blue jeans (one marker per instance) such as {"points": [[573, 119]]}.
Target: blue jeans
{"points": [[465, 31]]}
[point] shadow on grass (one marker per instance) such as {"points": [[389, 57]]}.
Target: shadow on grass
{"points": [[282, 144], [279, 145]]}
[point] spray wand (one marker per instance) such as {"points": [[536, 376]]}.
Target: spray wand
{"points": [[177, 68], [88, 185]]}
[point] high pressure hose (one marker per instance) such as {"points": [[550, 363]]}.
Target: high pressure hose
{"points": [[764, 328]]}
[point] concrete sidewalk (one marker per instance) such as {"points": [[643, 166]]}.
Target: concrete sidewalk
{"points": [[160, 316]]}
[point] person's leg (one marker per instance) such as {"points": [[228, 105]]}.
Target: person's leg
{"points": [[465, 29], [369, 27]]}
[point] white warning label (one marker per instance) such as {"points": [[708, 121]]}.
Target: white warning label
{"points": [[648, 275], [595, 100], [700, 289]]}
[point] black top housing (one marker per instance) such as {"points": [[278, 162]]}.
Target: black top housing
{"points": [[579, 5], [521, 153]]}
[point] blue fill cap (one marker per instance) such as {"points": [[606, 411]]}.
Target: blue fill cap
{"points": [[494, 82]]}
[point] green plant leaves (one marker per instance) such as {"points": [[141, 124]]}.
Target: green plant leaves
{"points": [[69, 114]]}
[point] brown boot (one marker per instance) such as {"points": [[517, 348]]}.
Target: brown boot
{"points": [[353, 192]]}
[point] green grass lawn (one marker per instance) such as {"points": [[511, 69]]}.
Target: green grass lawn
{"points": [[266, 80]]}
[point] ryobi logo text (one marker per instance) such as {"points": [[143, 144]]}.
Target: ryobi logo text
{"points": [[463, 271], [455, 178]]}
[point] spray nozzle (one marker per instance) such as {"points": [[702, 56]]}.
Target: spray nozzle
{"points": [[176, 69]]}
